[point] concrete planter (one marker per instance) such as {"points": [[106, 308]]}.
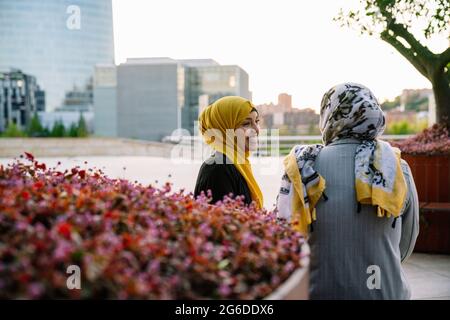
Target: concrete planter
{"points": [[431, 175], [296, 287], [432, 178]]}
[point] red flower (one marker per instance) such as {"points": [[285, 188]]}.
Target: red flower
{"points": [[26, 195], [127, 240], [38, 185], [29, 156], [24, 277], [112, 214], [64, 229], [82, 174], [40, 166]]}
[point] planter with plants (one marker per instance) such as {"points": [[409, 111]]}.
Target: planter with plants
{"points": [[131, 241], [428, 155]]}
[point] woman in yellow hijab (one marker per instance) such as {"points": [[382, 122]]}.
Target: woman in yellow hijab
{"points": [[230, 126]]}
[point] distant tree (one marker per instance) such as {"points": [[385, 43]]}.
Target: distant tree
{"points": [[58, 129], [392, 20], [12, 131], [46, 132], [400, 127], [35, 128], [313, 129], [391, 104], [73, 130], [82, 127]]}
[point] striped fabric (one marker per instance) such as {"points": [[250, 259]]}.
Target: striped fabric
{"points": [[345, 243]]}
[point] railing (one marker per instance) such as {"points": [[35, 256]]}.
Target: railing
{"points": [[267, 145]]}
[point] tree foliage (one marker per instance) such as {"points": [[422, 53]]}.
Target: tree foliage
{"points": [[405, 24]]}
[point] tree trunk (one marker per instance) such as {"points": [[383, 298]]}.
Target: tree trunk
{"points": [[441, 91]]}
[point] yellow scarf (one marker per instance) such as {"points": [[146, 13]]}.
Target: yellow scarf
{"points": [[388, 199], [226, 114], [303, 213]]}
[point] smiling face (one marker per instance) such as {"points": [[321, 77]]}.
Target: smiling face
{"points": [[249, 128]]}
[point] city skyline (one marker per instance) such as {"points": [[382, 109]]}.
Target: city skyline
{"points": [[284, 46]]}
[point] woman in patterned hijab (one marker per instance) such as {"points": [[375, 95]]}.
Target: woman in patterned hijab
{"points": [[348, 110], [367, 188]]}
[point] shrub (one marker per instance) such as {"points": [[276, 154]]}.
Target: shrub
{"points": [[431, 141], [13, 131], [133, 241]]}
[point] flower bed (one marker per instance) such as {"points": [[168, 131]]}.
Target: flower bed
{"points": [[432, 141], [133, 241]]}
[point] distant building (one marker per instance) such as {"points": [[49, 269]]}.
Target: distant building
{"points": [[57, 41], [205, 81], [40, 99], [285, 101], [296, 121], [148, 98], [20, 98], [105, 100], [398, 116], [415, 95], [287, 119], [431, 111], [78, 99]]}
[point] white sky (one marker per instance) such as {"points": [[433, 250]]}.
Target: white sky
{"points": [[291, 46]]}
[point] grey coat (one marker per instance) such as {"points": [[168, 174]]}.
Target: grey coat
{"points": [[358, 255]]}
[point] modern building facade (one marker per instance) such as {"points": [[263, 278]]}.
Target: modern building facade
{"points": [[57, 41], [207, 81], [105, 101], [20, 98], [152, 97], [148, 103]]}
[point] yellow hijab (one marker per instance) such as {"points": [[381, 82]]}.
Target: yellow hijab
{"points": [[226, 114]]}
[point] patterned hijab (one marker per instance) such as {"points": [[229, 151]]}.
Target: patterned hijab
{"points": [[348, 110]]}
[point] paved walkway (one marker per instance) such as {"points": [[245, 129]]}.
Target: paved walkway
{"points": [[429, 276]]}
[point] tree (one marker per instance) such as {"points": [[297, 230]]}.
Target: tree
{"points": [[58, 129], [393, 21], [82, 127], [35, 128], [12, 131], [73, 130], [401, 127]]}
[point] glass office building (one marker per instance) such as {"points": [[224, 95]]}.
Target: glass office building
{"points": [[57, 41], [20, 97], [149, 98], [205, 81]]}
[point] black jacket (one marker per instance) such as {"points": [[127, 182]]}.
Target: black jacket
{"points": [[222, 178]]}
